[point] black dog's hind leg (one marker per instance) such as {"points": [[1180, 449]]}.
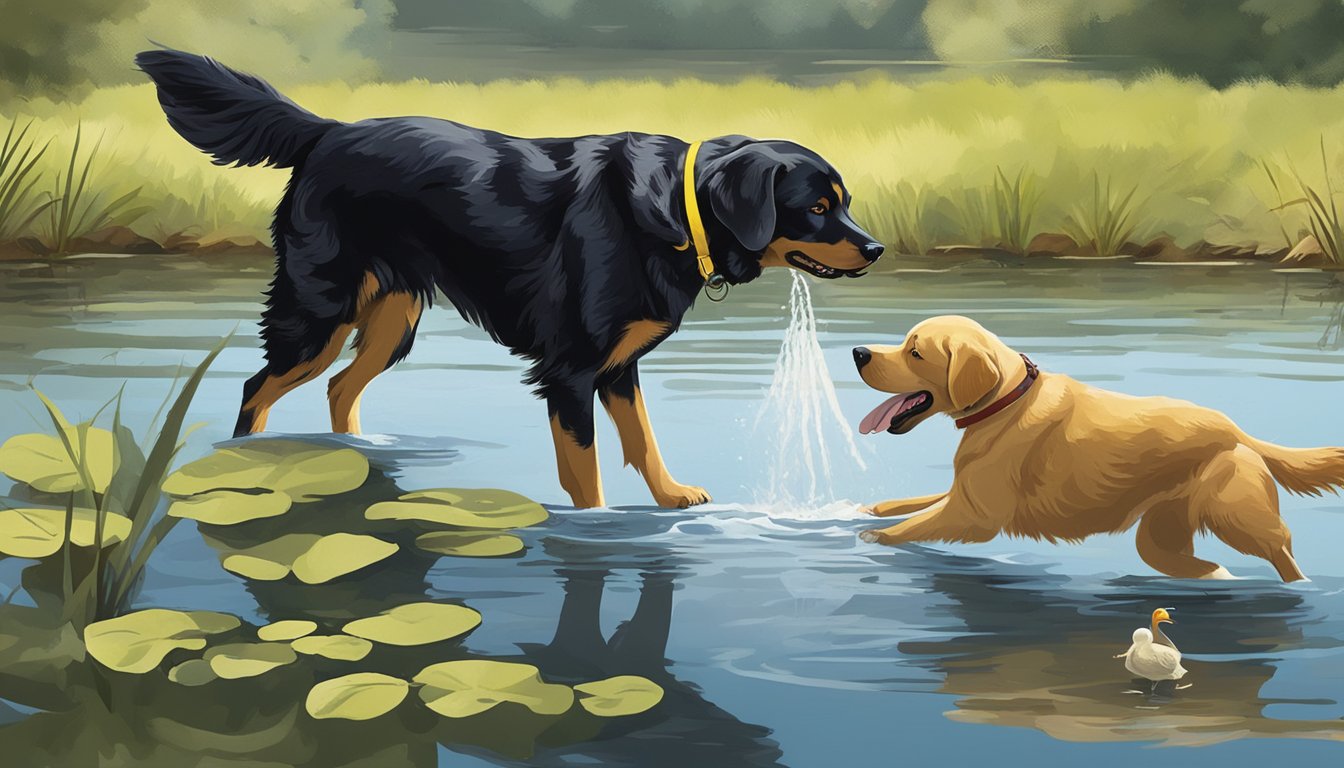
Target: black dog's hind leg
{"points": [[280, 376], [386, 328], [625, 404], [570, 405]]}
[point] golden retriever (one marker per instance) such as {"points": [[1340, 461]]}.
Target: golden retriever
{"points": [[1047, 457]]}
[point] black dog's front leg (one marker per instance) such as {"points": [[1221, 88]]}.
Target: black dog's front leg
{"points": [[625, 403], [570, 405]]}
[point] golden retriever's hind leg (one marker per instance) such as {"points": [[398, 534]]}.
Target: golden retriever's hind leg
{"points": [[1239, 503], [898, 507], [386, 327], [1166, 542]]}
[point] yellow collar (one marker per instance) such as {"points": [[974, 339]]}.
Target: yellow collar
{"points": [[696, 226]]}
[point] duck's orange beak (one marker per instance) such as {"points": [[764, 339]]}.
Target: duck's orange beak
{"points": [[1160, 616]]}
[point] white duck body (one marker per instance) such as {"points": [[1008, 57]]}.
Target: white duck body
{"points": [[1153, 661]]}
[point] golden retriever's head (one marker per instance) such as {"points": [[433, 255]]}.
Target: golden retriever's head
{"points": [[948, 364]]}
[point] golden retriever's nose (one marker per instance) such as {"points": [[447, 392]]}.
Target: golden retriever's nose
{"points": [[861, 357]]}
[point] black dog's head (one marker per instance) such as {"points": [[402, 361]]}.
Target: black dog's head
{"points": [[777, 204]]}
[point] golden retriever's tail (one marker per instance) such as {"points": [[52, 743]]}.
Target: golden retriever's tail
{"points": [[1304, 471]]}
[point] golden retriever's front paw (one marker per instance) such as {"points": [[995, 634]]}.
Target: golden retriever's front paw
{"points": [[869, 509], [678, 496], [873, 535]]}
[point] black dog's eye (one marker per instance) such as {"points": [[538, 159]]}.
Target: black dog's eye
{"points": [[915, 354], [818, 209]]}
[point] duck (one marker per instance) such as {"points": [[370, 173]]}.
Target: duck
{"points": [[1153, 656]]}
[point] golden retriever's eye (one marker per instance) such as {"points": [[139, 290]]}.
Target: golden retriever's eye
{"points": [[818, 209], [915, 354]]}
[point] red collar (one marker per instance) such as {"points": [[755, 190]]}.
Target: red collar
{"points": [[1006, 400]]}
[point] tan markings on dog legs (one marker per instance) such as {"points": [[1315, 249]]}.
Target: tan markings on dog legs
{"points": [[897, 507], [1166, 541], [1237, 501], [577, 467], [636, 337], [276, 387], [944, 521], [383, 326], [640, 449]]}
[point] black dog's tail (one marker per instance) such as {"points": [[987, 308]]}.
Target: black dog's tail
{"points": [[234, 117]]}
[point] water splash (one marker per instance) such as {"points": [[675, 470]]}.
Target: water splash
{"points": [[800, 424]]}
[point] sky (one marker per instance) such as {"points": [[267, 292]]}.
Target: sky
{"points": [[56, 47]]}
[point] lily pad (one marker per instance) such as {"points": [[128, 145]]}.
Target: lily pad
{"points": [[297, 470], [290, 629], [230, 507], [43, 462], [338, 647], [37, 532], [469, 687], [415, 624], [255, 568], [339, 554], [463, 544], [192, 672], [485, 508], [361, 696], [239, 660], [267, 561], [137, 642], [619, 696], [312, 557]]}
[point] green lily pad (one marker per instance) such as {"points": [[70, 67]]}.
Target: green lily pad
{"points": [[297, 470], [43, 462], [338, 647], [311, 557], [290, 629], [310, 476], [254, 568], [36, 532], [339, 554], [619, 696], [137, 642], [486, 508], [415, 624], [237, 660], [230, 507], [466, 688], [462, 544], [267, 561], [361, 696], [192, 672]]}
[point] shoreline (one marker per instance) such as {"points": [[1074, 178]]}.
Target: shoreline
{"points": [[1162, 249]]}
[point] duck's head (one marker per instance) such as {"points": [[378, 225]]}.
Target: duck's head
{"points": [[1160, 616], [1142, 636]]}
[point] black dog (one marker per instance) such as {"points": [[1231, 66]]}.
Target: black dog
{"points": [[574, 253]]}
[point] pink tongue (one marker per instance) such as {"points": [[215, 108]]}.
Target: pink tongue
{"points": [[880, 419]]}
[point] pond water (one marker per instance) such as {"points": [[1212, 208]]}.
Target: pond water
{"points": [[779, 637]]}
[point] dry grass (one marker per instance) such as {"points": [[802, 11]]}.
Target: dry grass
{"points": [[912, 154]]}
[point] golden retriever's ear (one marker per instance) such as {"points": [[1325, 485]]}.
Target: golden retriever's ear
{"points": [[971, 375]]}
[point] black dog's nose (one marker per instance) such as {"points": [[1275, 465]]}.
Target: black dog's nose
{"points": [[872, 250], [861, 354]]}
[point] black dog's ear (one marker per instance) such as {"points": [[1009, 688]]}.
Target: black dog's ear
{"points": [[742, 193]]}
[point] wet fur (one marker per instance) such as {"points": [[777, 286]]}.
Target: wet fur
{"points": [[1068, 460]]}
